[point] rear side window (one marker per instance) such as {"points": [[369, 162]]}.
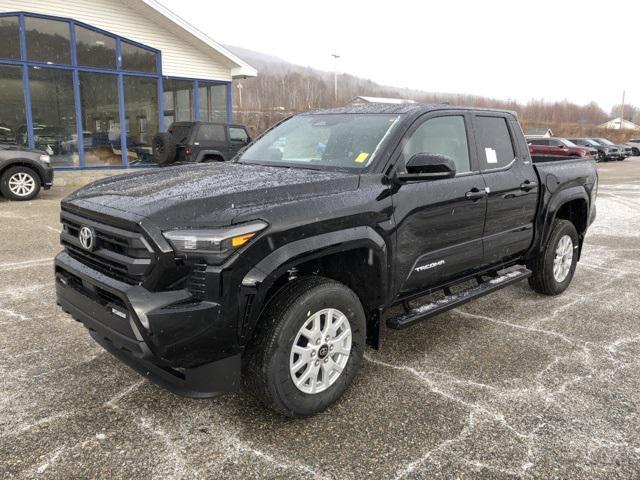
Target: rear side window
{"points": [[495, 148], [180, 133], [211, 133], [441, 135], [238, 135]]}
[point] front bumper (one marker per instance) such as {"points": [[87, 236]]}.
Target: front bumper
{"points": [[47, 177], [162, 335]]}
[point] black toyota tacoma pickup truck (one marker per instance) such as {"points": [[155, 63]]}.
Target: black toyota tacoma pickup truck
{"points": [[276, 269]]}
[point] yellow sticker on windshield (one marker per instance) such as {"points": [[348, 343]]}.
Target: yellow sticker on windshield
{"points": [[362, 157]]}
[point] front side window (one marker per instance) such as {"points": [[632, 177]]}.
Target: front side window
{"points": [[568, 143], [342, 141], [238, 135], [495, 148], [48, 41], [443, 136], [137, 59], [94, 49], [10, 37]]}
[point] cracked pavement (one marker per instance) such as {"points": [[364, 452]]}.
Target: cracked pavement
{"points": [[513, 385]]}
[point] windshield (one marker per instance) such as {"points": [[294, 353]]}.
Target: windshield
{"points": [[568, 143], [605, 141], [322, 140]]}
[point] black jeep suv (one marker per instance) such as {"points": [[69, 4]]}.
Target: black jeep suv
{"points": [[277, 268], [199, 142]]}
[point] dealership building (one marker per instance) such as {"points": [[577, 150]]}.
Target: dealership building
{"points": [[91, 81]]}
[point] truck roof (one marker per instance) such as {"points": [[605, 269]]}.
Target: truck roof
{"points": [[414, 108]]}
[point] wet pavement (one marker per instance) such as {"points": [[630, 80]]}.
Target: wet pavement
{"points": [[512, 385]]}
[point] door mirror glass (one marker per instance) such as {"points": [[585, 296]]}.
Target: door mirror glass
{"points": [[428, 166]]}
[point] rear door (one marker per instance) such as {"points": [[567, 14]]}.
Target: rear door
{"points": [[211, 139], [512, 182], [439, 222]]}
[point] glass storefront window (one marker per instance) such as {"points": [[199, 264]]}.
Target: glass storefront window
{"points": [[94, 49], [10, 37], [137, 59], [141, 112], [47, 40], [213, 102], [53, 112], [100, 119], [178, 101], [13, 123]]}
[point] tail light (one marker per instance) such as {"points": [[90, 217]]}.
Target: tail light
{"points": [[188, 150]]}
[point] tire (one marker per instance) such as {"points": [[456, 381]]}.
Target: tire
{"points": [[635, 152], [164, 148], [20, 183], [270, 357], [545, 279]]}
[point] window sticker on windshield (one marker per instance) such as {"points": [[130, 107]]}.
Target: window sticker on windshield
{"points": [[362, 157], [490, 153]]}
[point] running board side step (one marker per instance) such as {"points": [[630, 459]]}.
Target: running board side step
{"points": [[454, 300]]}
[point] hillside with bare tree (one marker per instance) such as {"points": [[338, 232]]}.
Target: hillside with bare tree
{"points": [[282, 89]]}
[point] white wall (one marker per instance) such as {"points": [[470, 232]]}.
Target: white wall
{"points": [[180, 57]]}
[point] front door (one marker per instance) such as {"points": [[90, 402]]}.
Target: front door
{"points": [[512, 185], [439, 222]]}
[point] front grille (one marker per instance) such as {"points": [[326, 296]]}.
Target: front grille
{"points": [[118, 253]]}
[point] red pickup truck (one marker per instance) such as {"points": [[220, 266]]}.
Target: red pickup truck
{"points": [[558, 146]]}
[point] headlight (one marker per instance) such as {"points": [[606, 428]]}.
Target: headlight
{"points": [[216, 243], [45, 158]]}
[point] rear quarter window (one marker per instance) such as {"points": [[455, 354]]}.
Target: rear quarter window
{"points": [[495, 147]]}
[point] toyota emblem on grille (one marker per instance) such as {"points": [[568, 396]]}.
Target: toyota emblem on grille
{"points": [[87, 238]]}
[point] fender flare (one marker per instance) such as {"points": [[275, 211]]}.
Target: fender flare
{"points": [[557, 200], [202, 154], [259, 280]]}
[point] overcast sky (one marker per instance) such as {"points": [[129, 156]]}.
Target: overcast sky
{"points": [[552, 50]]}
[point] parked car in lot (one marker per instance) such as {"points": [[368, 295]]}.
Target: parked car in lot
{"points": [[623, 149], [560, 147], [605, 152], [23, 172], [199, 142], [278, 267], [634, 145]]}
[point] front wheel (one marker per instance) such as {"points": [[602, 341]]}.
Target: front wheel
{"points": [[20, 183], [554, 267], [307, 348]]}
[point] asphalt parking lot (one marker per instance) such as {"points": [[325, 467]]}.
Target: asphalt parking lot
{"points": [[512, 385]]}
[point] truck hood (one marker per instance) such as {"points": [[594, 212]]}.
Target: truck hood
{"points": [[205, 194]]}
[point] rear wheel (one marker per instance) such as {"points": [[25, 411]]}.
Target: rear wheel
{"points": [[308, 347], [554, 268], [20, 183]]}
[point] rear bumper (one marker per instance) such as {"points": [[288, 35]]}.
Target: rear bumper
{"points": [[161, 335]]}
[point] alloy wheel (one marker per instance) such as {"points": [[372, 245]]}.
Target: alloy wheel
{"points": [[320, 351], [22, 184], [563, 259]]}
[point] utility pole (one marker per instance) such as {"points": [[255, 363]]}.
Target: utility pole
{"points": [[622, 111], [335, 76], [239, 85]]}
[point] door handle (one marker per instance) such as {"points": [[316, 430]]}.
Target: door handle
{"points": [[475, 194], [528, 185]]}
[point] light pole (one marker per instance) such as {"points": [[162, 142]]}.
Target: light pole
{"points": [[239, 85], [335, 75]]}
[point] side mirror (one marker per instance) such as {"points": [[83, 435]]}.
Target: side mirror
{"points": [[428, 166]]}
